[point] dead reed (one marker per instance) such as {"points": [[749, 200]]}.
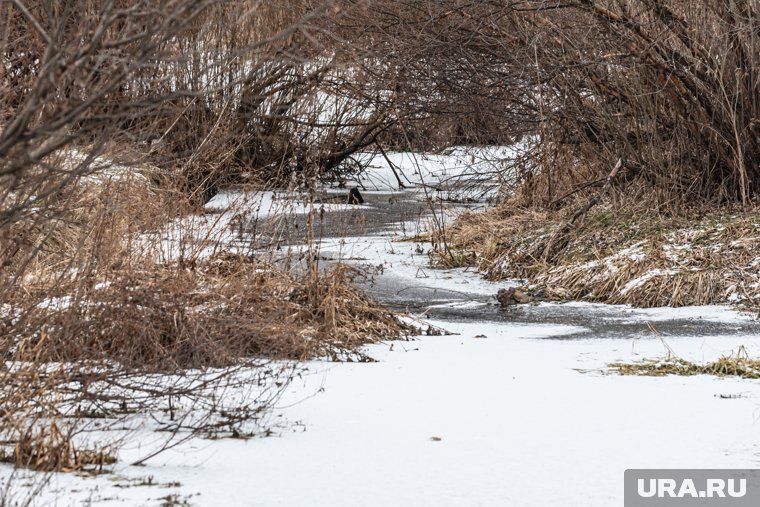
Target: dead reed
{"points": [[92, 319], [225, 308], [630, 254], [737, 364]]}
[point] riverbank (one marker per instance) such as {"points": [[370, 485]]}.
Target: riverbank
{"points": [[628, 255]]}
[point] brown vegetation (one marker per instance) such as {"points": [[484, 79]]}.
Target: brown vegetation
{"points": [[737, 364], [628, 254], [223, 309], [670, 87], [50, 450], [667, 92]]}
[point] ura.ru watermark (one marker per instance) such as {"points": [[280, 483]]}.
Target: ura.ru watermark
{"points": [[672, 488]]}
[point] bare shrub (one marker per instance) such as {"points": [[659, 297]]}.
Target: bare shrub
{"points": [[445, 70], [668, 86], [615, 103]]}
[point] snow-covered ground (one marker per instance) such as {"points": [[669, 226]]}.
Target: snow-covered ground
{"points": [[458, 173], [496, 415]]}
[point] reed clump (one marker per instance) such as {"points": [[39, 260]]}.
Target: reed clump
{"points": [[737, 364], [626, 255], [222, 309]]}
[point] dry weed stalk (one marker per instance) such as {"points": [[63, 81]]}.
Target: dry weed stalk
{"points": [[50, 450]]}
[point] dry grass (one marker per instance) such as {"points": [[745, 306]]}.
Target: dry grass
{"points": [[735, 365], [50, 449], [629, 254], [148, 332], [87, 284], [87, 225], [85, 302], [223, 309]]}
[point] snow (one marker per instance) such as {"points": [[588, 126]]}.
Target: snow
{"points": [[55, 303], [711, 313], [261, 205], [518, 424], [200, 236], [459, 173], [641, 280], [100, 169], [404, 268]]}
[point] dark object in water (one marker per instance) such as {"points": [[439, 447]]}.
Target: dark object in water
{"points": [[353, 197], [511, 297]]}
